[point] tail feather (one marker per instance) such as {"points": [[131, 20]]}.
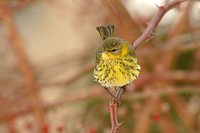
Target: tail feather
{"points": [[106, 31]]}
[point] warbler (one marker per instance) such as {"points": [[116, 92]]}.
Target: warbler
{"points": [[116, 62]]}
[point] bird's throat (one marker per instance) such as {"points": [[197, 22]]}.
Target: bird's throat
{"points": [[109, 56]]}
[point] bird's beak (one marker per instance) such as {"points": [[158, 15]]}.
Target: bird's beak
{"points": [[100, 51]]}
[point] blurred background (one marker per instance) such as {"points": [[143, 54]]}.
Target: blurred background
{"points": [[47, 54]]}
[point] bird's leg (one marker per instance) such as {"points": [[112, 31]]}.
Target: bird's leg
{"points": [[120, 92], [115, 98], [124, 88], [109, 92]]}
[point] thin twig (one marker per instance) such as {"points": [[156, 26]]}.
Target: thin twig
{"points": [[113, 117], [148, 33]]}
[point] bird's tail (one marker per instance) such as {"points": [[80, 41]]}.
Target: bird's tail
{"points": [[106, 31]]}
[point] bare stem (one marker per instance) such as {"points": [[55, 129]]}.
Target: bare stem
{"points": [[113, 110], [148, 33]]}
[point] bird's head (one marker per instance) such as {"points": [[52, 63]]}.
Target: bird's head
{"points": [[113, 48]]}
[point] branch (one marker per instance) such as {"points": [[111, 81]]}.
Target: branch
{"points": [[113, 110], [148, 33], [113, 117]]}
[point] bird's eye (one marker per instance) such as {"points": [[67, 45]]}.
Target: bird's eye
{"points": [[113, 50]]}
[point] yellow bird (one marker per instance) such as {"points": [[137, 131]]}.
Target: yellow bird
{"points": [[116, 63]]}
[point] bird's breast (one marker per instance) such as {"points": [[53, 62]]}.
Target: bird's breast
{"points": [[117, 72]]}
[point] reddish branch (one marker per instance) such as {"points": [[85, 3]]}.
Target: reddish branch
{"points": [[145, 36], [113, 110], [113, 113], [148, 33]]}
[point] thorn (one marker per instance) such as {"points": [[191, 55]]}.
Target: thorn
{"points": [[121, 123], [148, 36], [157, 5], [153, 34]]}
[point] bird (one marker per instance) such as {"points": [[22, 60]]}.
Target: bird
{"points": [[116, 63]]}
